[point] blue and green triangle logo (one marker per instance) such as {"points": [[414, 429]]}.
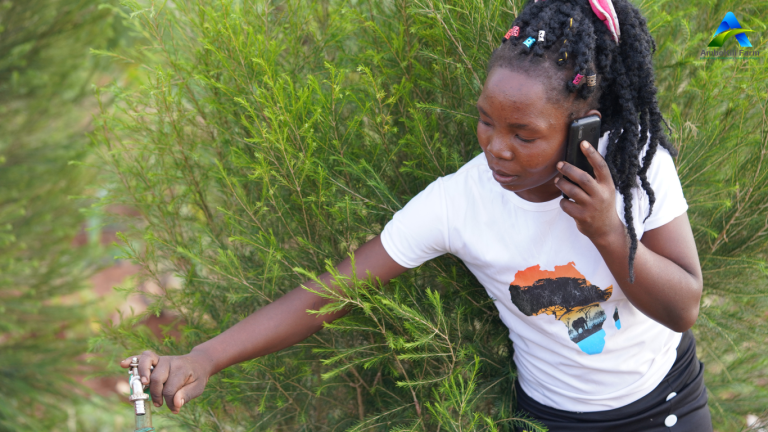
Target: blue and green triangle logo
{"points": [[730, 27]]}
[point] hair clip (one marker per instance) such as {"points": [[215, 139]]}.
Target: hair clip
{"points": [[577, 79], [571, 23], [541, 35], [529, 42], [514, 31], [591, 80]]}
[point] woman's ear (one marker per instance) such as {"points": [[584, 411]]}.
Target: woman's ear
{"points": [[593, 112]]}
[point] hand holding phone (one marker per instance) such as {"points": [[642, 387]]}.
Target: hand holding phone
{"points": [[586, 128]]}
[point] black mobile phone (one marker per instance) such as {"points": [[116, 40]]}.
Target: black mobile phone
{"points": [[586, 128]]}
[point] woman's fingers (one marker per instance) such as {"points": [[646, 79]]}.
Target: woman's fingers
{"points": [[599, 166], [147, 360], [570, 189], [570, 208], [578, 176], [179, 375], [594, 205], [190, 391], [159, 377], [127, 362]]}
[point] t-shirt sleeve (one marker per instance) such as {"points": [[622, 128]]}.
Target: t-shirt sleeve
{"points": [[670, 202], [419, 231]]}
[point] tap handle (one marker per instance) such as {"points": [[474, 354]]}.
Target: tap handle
{"points": [[138, 397]]}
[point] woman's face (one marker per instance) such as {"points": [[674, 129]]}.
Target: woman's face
{"points": [[522, 134]]}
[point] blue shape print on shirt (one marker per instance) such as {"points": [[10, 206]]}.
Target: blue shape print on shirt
{"points": [[616, 318], [593, 344]]}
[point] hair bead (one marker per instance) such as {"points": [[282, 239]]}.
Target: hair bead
{"points": [[577, 79], [514, 31], [541, 35], [591, 80], [529, 42]]}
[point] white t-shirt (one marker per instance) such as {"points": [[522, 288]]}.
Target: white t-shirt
{"points": [[580, 345]]}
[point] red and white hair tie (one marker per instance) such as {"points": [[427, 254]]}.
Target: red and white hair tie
{"points": [[607, 14], [605, 11]]}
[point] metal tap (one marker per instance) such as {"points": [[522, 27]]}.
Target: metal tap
{"points": [[140, 399]]}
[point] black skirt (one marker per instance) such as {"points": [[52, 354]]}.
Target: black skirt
{"points": [[677, 404]]}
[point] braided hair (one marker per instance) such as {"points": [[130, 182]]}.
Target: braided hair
{"points": [[624, 90]]}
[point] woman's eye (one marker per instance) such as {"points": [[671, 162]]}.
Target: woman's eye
{"points": [[525, 140], [485, 122]]}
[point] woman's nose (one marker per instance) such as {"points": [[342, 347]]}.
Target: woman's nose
{"points": [[499, 150]]}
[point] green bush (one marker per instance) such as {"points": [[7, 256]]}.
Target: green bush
{"points": [[270, 139]]}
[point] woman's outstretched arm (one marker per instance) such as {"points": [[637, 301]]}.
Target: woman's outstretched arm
{"points": [[280, 324]]}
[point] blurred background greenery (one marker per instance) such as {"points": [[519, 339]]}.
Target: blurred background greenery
{"points": [[45, 104], [48, 305], [95, 95]]}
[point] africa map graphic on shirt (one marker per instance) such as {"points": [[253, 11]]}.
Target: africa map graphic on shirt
{"points": [[570, 297]]}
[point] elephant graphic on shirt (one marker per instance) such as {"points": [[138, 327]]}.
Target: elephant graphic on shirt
{"points": [[579, 324], [584, 322]]}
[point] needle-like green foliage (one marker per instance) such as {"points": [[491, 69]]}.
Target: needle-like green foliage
{"points": [[270, 139]]}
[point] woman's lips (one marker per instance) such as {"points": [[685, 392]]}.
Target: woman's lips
{"points": [[504, 178]]}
